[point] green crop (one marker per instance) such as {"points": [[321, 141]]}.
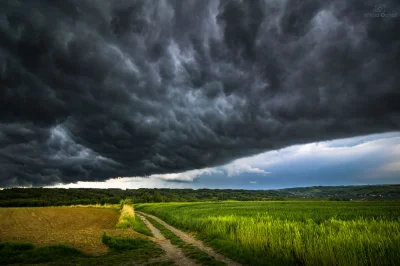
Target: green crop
{"points": [[287, 233]]}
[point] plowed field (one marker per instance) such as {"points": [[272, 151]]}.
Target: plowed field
{"points": [[78, 227]]}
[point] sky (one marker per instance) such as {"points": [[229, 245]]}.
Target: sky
{"points": [[367, 160], [200, 93]]}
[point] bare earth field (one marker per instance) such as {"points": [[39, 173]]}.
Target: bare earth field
{"points": [[78, 227]]}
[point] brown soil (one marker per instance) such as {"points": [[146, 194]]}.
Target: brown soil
{"points": [[78, 227]]}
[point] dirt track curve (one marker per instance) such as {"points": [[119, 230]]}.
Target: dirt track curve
{"points": [[171, 252], [191, 240]]}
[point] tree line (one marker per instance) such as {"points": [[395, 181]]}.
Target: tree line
{"points": [[35, 197]]}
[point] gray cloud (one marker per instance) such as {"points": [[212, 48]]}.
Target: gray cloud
{"points": [[92, 90]]}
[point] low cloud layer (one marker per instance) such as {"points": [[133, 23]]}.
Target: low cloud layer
{"points": [[91, 90], [372, 159]]}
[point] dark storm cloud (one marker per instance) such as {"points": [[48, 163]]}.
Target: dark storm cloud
{"points": [[97, 89]]}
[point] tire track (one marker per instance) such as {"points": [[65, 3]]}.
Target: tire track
{"points": [[172, 252], [191, 240]]}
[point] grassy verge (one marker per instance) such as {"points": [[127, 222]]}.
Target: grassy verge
{"points": [[122, 251], [140, 227], [126, 218], [125, 243], [189, 250], [11, 253], [129, 220]]}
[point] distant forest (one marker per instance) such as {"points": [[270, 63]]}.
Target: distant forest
{"points": [[26, 197]]}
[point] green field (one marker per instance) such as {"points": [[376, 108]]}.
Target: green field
{"points": [[288, 233]]}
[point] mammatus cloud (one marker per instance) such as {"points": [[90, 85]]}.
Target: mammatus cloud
{"points": [[96, 89]]}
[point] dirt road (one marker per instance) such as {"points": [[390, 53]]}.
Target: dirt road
{"points": [[172, 252], [191, 240]]}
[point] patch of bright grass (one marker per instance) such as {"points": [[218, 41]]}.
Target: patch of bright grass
{"points": [[189, 250], [128, 219]]}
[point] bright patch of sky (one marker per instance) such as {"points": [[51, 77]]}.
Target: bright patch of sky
{"points": [[372, 159]]}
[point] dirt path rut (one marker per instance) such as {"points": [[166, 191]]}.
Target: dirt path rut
{"points": [[172, 252], [191, 240]]}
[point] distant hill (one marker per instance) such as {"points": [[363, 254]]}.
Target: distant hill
{"points": [[15, 197], [376, 192]]}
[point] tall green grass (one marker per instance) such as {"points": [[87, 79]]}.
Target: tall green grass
{"points": [[303, 233]]}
